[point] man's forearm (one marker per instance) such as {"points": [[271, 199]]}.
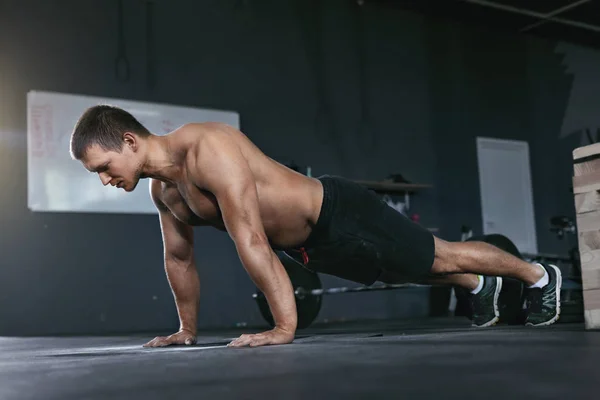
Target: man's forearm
{"points": [[268, 274], [185, 284]]}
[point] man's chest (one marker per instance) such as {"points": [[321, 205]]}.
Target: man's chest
{"points": [[192, 205]]}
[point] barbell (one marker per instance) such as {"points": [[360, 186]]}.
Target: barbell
{"points": [[301, 292], [308, 301], [309, 292]]}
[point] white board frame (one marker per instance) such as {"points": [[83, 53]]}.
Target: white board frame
{"points": [[57, 183], [529, 245]]}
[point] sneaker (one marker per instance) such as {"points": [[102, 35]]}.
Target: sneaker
{"points": [[543, 304], [485, 303]]}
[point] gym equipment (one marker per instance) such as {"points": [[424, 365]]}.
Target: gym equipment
{"points": [[307, 307], [308, 292]]}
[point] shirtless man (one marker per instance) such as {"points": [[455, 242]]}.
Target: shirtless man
{"points": [[212, 174]]}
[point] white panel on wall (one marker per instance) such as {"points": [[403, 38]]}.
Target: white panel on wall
{"points": [[506, 191], [57, 183]]}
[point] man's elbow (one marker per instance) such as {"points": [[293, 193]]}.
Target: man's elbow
{"points": [[254, 245], [182, 258], [248, 236]]}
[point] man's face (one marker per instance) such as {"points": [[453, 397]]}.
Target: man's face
{"points": [[121, 170]]}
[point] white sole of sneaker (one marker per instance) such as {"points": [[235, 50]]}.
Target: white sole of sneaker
{"points": [[494, 320], [558, 288]]}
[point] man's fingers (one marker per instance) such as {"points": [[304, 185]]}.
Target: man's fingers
{"points": [[163, 341], [255, 340], [262, 339], [237, 341], [156, 342], [251, 340], [243, 340], [150, 343]]}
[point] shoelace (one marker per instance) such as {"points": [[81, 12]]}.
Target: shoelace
{"points": [[549, 299]]}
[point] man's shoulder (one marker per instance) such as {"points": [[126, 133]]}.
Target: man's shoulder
{"points": [[200, 129], [209, 149], [207, 137], [193, 135], [156, 194]]}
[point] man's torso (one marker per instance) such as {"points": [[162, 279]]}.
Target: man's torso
{"points": [[289, 202]]}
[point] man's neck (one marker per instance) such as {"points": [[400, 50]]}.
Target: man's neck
{"points": [[160, 161]]}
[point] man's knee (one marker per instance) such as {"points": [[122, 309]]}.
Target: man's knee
{"points": [[447, 257]]}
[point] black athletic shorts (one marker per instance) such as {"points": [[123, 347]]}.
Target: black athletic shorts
{"points": [[358, 236]]}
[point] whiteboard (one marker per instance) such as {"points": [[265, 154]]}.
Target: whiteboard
{"points": [[57, 183]]}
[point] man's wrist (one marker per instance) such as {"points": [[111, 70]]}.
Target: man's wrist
{"points": [[288, 328], [188, 329]]}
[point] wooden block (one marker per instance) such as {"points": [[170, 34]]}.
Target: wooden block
{"points": [[591, 279], [586, 151], [586, 202], [589, 241], [591, 305], [586, 183], [587, 165], [590, 267], [592, 319], [591, 299], [588, 222]]}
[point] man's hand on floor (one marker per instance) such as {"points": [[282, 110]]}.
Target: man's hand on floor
{"points": [[274, 336], [181, 337]]}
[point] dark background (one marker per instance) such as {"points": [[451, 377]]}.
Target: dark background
{"points": [[433, 82]]}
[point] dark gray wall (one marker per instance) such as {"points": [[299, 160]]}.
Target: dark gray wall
{"points": [[492, 84], [431, 91]]}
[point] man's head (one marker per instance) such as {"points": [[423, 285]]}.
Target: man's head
{"points": [[108, 141]]}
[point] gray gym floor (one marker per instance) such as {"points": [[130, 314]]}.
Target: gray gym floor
{"points": [[433, 358]]}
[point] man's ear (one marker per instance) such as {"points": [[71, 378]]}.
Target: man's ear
{"points": [[131, 140]]}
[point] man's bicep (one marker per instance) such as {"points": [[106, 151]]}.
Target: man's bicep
{"points": [[241, 214], [178, 238]]}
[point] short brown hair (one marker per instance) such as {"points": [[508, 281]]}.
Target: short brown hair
{"points": [[103, 125]]}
